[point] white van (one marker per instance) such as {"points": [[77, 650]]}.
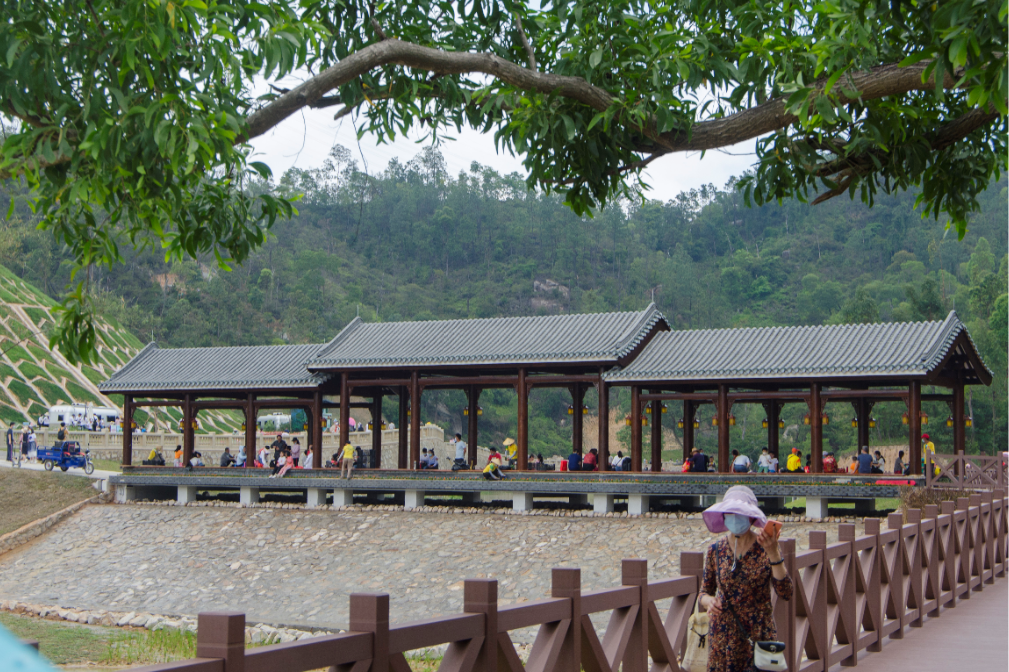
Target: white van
{"points": [[65, 413], [273, 421]]}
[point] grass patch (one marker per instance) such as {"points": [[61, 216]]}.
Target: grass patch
{"points": [[82, 395], [150, 646], [40, 354], [848, 508], [108, 465], [24, 393], [17, 354], [29, 495], [30, 370], [9, 415], [7, 371], [38, 315], [61, 643], [53, 394], [93, 374]]}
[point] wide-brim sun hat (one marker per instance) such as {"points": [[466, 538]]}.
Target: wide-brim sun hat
{"points": [[509, 442], [738, 499]]}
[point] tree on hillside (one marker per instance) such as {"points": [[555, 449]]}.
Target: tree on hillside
{"points": [[128, 118]]}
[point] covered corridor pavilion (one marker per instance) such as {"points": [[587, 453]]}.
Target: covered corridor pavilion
{"points": [[863, 364]]}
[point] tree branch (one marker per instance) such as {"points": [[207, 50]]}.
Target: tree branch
{"points": [[530, 53]]}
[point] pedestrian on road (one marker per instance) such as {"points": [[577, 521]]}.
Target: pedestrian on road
{"points": [[10, 443], [347, 467], [740, 570], [33, 446]]}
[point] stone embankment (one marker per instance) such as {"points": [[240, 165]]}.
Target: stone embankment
{"points": [[37, 528]]}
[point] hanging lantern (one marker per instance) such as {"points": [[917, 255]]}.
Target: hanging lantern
{"points": [[371, 426], [182, 425], [805, 419], [905, 419], [872, 422], [243, 426], [764, 423], [196, 424], [648, 409], [585, 410], [479, 410], [383, 426], [781, 424], [133, 425], [824, 419], [571, 409], [854, 422], [627, 421], [679, 424], [924, 418], [664, 408], [408, 411], [322, 422], [969, 422], [697, 423], [644, 421], [465, 411], [732, 420], [949, 421]]}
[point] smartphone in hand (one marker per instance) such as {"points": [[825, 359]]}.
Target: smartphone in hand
{"points": [[773, 528]]}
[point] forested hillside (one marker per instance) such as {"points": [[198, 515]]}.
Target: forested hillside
{"points": [[414, 242]]}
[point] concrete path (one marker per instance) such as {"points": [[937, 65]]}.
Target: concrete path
{"points": [[971, 636], [97, 474]]}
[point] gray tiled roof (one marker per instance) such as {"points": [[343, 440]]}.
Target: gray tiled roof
{"points": [[256, 366], [598, 337], [850, 350]]}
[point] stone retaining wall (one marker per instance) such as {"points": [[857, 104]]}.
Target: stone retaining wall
{"points": [[36, 528]]}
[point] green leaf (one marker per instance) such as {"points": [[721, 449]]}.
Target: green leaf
{"points": [[12, 51]]}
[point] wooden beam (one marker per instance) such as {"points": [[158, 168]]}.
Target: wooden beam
{"points": [[523, 421], [815, 429], [959, 429], [914, 425], [376, 429], [127, 430], [689, 411], [344, 410], [415, 392], [722, 413], [188, 433], [773, 411], [604, 423], [577, 401], [635, 428], [251, 449], [656, 436], [319, 431], [403, 458], [473, 430]]}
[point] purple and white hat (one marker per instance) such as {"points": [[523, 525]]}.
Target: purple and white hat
{"points": [[738, 499]]}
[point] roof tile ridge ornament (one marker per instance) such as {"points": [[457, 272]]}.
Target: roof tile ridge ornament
{"points": [[947, 332], [344, 333], [153, 345], [649, 317]]}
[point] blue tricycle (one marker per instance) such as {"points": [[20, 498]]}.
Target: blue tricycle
{"points": [[66, 454]]}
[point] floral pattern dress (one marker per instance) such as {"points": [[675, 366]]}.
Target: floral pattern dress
{"points": [[748, 592]]}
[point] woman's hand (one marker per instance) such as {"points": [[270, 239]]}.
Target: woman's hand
{"points": [[770, 545], [712, 605]]}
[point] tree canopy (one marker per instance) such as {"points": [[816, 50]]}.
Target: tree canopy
{"points": [[128, 119]]}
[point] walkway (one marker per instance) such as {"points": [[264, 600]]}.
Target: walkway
{"points": [[97, 474], [970, 636]]}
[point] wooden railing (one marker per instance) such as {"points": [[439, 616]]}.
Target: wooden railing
{"points": [[966, 472], [849, 596]]}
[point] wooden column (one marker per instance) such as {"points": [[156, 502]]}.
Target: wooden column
{"points": [[128, 430], [914, 425], [689, 410], [523, 421], [376, 429], [414, 420], [635, 428], [320, 432], [656, 434], [959, 429], [577, 426], [403, 458], [815, 430], [862, 409], [604, 425], [344, 410], [722, 413], [473, 430], [188, 436], [250, 429], [773, 411]]}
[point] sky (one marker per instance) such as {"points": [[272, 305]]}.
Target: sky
{"points": [[305, 139]]}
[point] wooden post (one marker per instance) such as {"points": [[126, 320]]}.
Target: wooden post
{"points": [[567, 583], [369, 612], [251, 449], [127, 430], [656, 434], [473, 432], [403, 458], [523, 421], [221, 635], [914, 425], [344, 410], [188, 438], [577, 399], [635, 428], [320, 432], [815, 429], [635, 573], [604, 424], [862, 409], [959, 430], [415, 420], [722, 413], [773, 411], [376, 430], [848, 603], [480, 597], [689, 410]]}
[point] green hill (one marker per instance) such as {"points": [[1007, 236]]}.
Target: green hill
{"points": [[33, 377]]}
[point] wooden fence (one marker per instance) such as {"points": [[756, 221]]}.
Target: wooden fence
{"points": [[965, 472], [849, 596]]}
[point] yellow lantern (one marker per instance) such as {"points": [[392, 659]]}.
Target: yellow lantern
{"points": [[479, 410], [805, 419], [732, 420], [697, 423], [627, 421], [585, 410], [465, 411], [764, 423], [571, 409], [644, 421], [133, 424], [781, 424], [872, 422], [679, 424], [949, 421], [969, 422], [854, 422], [924, 418], [648, 409], [714, 421], [664, 408], [825, 420], [905, 419], [243, 426], [322, 422]]}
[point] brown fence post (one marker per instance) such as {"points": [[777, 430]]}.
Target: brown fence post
{"points": [[951, 560], [691, 564], [931, 562], [988, 519], [916, 593], [369, 612], [895, 521], [818, 600], [567, 583], [999, 515], [480, 597], [222, 635], [850, 630], [977, 538], [873, 590], [635, 573], [784, 611]]}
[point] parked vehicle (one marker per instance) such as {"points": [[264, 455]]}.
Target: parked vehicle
{"points": [[66, 454]]}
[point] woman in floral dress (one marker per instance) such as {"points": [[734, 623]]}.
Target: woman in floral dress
{"points": [[739, 571]]}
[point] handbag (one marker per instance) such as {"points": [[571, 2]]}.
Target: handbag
{"points": [[695, 653]]}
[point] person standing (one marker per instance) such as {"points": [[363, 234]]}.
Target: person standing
{"points": [[864, 461], [10, 443], [347, 465], [33, 446], [25, 443], [295, 451], [794, 463], [460, 450], [740, 570], [699, 461], [898, 464]]}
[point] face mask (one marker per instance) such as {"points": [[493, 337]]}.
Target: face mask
{"points": [[738, 525]]}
